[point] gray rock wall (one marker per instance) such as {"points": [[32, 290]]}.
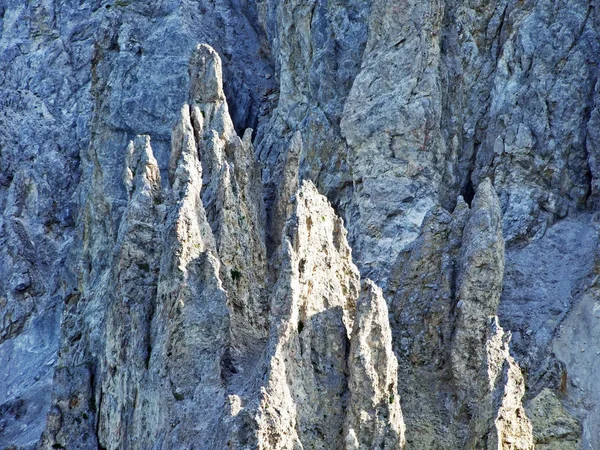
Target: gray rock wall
{"points": [[169, 278]]}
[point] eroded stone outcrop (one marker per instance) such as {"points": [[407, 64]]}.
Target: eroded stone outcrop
{"points": [[209, 303], [233, 198], [500, 421], [481, 269], [443, 299], [395, 151], [191, 322], [137, 279], [171, 323], [190, 352], [374, 419], [127, 334], [312, 397]]}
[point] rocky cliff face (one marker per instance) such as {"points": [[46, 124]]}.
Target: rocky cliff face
{"points": [[299, 224]]}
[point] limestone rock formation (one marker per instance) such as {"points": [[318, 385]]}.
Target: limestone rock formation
{"points": [[127, 330], [553, 427], [500, 398], [331, 369], [189, 326], [177, 219], [479, 281], [375, 418], [444, 298]]}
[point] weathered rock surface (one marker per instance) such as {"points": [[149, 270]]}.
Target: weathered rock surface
{"points": [[152, 233], [553, 426], [331, 369], [500, 420], [396, 151], [127, 333], [375, 417], [444, 297], [574, 346], [180, 326], [479, 281]]}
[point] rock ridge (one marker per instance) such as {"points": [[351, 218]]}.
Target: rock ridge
{"points": [[164, 285], [193, 324]]}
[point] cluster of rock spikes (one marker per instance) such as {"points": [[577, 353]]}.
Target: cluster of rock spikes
{"points": [[210, 340]]}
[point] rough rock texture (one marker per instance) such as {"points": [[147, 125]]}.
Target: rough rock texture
{"points": [[157, 260], [391, 123], [375, 419], [574, 346], [479, 281], [447, 290], [331, 369], [500, 398], [553, 426]]}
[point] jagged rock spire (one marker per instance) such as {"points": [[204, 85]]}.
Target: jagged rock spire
{"points": [[447, 289], [481, 271], [501, 408], [198, 347], [322, 378], [206, 79], [374, 418]]}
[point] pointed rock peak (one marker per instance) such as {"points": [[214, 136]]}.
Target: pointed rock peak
{"points": [[481, 274], [318, 219], [483, 234], [206, 79], [461, 206], [374, 417], [486, 198], [324, 258], [319, 394], [184, 165], [140, 165], [511, 427], [136, 148], [371, 307], [309, 204]]}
